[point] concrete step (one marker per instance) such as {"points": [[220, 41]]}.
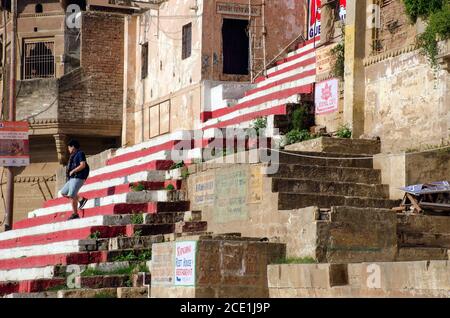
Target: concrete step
{"points": [[138, 242], [133, 292], [423, 224], [415, 239], [82, 258], [339, 145], [321, 173], [33, 295], [88, 293], [172, 217], [103, 281], [292, 201], [118, 189], [330, 187], [130, 197], [406, 254], [165, 228], [320, 159], [113, 209], [30, 286]]}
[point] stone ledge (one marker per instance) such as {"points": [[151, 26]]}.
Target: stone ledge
{"points": [[386, 55], [338, 145]]}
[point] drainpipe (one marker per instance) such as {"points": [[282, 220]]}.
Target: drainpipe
{"points": [[12, 116]]}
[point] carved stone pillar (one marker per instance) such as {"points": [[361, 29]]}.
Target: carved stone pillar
{"points": [[61, 141]]}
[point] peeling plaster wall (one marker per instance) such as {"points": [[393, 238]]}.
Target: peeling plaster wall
{"points": [[407, 103]]}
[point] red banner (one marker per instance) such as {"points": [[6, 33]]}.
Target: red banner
{"points": [[314, 16], [14, 144]]}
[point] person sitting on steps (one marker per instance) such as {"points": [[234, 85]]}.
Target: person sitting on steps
{"points": [[77, 172]]}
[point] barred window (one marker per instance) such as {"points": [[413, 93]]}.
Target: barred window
{"points": [[38, 60], [187, 41]]}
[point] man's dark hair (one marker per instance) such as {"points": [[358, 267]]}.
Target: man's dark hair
{"points": [[74, 143]]}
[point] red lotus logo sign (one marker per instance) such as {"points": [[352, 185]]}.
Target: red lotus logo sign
{"points": [[327, 96]]}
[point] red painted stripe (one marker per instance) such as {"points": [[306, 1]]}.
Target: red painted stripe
{"points": [[304, 63], [305, 89], [112, 209], [282, 81], [66, 235], [8, 288], [153, 165], [81, 258], [120, 189], [278, 110], [38, 285]]}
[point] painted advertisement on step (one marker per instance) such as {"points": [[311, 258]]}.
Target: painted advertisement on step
{"points": [[14, 144], [315, 14], [327, 96], [185, 263]]}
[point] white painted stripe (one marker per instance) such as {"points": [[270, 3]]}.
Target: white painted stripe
{"points": [[131, 197], [99, 220], [41, 250], [21, 274], [289, 73], [290, 63], [161, 155], [177, 135], [278, 88]]}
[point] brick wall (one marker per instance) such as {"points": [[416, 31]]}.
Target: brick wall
{"points": [[396, 29], [96, 91]]}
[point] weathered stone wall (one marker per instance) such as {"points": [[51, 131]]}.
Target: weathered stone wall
{"points": [[396, 30], [224, 268], [406, 102], [37, 99], [403, 279]]}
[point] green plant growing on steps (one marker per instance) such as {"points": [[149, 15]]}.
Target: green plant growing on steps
{"points": [[258, 125], [177, 165], [295, 136], [137, 233], [94, 236], [137, 186], [344, 132], [137, 218], [170, 187]]}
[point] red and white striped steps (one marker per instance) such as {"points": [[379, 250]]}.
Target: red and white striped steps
{"points": [[293, 76]]}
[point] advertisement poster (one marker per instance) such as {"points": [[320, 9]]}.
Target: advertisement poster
{"points": [[314, 16], [14, 144], [185, 263], [327, 96]]}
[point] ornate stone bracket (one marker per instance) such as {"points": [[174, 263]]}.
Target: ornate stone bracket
{"points": [[61, 141]]}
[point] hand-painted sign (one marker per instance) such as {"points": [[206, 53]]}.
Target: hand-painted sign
{"points": [[14, 144], [185, 253], [327, 96]]}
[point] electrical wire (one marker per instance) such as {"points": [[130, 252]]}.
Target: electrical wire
{"points": [[353, 158]]}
